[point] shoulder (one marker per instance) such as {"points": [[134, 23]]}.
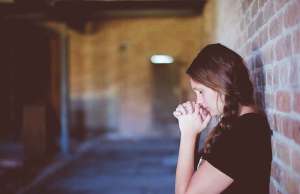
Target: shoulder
{"points": [[251, 124], [235, 148], [250, 117], [245, 129]]}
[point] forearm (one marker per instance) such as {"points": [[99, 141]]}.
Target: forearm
{"points": [[185, 163]]}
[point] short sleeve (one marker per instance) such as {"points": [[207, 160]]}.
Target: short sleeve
{"points": [[230, 154]]}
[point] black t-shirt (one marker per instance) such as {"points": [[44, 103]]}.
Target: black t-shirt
{"points": [[244, 153]]}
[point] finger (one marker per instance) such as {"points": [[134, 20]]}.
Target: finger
{"points": [[193, 106], [206, 112], [197, 108], [188, 106], [201, 114], [178, 108], [182, 109], [177, 114]]}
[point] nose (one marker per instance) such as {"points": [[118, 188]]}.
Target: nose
{"points": [[199, 99]]}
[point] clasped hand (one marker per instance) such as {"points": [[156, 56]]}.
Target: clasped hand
{"points": [[192, 118]]}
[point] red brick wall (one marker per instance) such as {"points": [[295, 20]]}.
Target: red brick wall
{"points": [[267, 34]]}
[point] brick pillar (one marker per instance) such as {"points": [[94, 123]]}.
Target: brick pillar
{"points": [[267, 34]]}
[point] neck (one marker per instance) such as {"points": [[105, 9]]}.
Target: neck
{"points": [[246, 109]]}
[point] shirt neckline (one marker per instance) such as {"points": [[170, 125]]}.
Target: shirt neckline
{"points": [[249, 113]]}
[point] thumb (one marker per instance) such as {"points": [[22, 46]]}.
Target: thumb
{"points": [[176, 114], [197, 108]]}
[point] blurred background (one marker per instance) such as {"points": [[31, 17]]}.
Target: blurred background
{"points": [[88, 88]]}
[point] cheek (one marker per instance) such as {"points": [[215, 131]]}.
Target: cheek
{"points": [[199, 98], [215, 102]]}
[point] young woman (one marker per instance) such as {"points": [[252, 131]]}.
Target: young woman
{"points": [[237, 154]]}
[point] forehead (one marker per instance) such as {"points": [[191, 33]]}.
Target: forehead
{"points": [[196, 85]]}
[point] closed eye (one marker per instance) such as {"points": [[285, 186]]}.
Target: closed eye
{"points": [[200, 91]]}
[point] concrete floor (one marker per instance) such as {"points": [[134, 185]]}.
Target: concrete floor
{"points": [[117, 166]]}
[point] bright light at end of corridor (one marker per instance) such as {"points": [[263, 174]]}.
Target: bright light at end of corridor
{"points": [[161, 59]]}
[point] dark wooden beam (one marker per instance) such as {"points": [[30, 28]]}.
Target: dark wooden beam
{"points": [[66, 9]]}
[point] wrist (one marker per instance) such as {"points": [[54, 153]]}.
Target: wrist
{"points": [[188, 136]]}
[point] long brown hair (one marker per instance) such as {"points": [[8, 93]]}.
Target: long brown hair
{"points": [[224, 71]]}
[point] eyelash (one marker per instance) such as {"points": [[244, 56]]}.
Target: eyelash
{"points": [[200, 92]]}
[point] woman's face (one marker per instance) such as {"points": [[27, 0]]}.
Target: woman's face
{"points": [[210, 99]]}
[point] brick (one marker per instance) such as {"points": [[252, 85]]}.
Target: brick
{"points": [[296, 105], [268, 101], [276, 172], [295, 160], [251, 29], [260, 39], [283, 101], [276, 27], [270, 117], [296, 41], [273, 189], [283, 152], [254, 8], [279, 4], [242, 25], [259, 21], [248, 48], [264, 36], [247, 18], [291, 182], [284, 74], [292, 14], [283, 47], [246, 4], [268, 82], [267, 54], [275, 122], [268, 11], [273, 146], [295, 127], [255, 44], [237, 43], [294, 73], [278, 120], [276, 75], [286, 128], [261, 3]]}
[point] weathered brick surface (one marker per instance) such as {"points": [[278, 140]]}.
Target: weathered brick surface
{"points": [[271, 30]]}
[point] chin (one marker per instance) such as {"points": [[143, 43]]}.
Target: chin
{"points": [[214, 114]]}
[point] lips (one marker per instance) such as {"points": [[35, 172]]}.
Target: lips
{"points": [[207, 110]]}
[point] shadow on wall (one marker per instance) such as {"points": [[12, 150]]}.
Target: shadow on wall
{"points": [[93, 117], [258, 76]]}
